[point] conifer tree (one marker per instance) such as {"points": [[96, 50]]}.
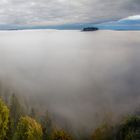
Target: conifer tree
{"points": [[46, 126], [16, 111]]}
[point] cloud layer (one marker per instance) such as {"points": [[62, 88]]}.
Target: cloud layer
{"points": [[46, 12], [136, 17]]}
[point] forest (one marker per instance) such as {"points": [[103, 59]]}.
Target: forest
{"points": [[16, 123]]}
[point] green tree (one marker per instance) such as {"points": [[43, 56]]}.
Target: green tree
{"points": [[28, 129], [4, 119], [60, 135], [129, 129]]}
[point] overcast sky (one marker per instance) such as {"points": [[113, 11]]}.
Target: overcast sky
{"points": [[48, 12]]}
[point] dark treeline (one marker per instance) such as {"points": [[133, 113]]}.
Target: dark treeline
{"points": [[20, 123]]}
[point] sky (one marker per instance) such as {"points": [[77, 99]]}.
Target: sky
{"points": [[56, 12]]}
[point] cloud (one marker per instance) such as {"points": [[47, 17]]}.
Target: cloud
{"points": [[46, 12], [135, 17]]}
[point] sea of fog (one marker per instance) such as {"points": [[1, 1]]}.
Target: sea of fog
{"points": [[81, 77]]}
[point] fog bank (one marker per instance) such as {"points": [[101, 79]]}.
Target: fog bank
{"points": [[79, 76]]}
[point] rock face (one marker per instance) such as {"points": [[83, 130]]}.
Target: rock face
{"points": [[90, 29]]}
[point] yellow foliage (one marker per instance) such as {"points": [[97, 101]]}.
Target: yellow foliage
{"points": [[104, 132], [60, 135], [4, 119], [28, 129]]}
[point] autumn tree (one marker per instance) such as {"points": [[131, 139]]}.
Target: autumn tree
{"points": [[104, 132], [28, 129], [60, 135], [4, 119]]}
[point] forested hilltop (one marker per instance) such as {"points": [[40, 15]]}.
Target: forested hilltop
{"points": [[16, 123]]}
